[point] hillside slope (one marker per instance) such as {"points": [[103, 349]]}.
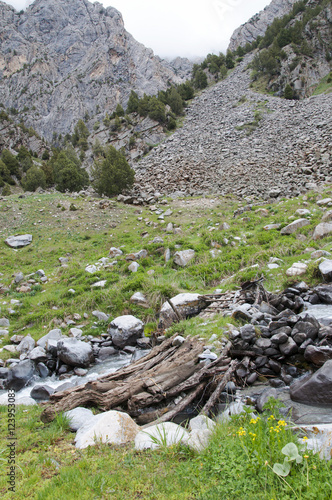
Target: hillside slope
{"points": [[235, 140], [62, 60]]}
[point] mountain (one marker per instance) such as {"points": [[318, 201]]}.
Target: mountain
{"points": [[257, 25], [62, 60]]}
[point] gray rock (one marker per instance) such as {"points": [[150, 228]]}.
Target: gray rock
{"points": [[317, 355], [264, 398], [322, 230], [183, 257], [294, 226], [314, 389], [100, 315], [112, 427], [54, 334], [42, 370], [19, 240], [279, 338], [289, 347], [139, 299], [20, 374], [78, 417], [133, 267], [178, 341], [37, 354], [26, 345], [125, 330], [74, 352], [4, 322], [248, 333], [106, 352], [154, 436], [325, 268], [41, 392], [186, 305]]}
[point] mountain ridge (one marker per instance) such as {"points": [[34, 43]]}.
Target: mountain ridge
{"points": [[76, 58]]}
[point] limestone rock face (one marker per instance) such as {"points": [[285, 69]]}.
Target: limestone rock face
{"points": [[75, 55], [256, 26]]}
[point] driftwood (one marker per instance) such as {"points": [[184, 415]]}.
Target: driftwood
{"points": [[146, 389]]}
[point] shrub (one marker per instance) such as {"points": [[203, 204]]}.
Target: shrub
{"points": [[112, 174], [288, 92], [35, 178]]}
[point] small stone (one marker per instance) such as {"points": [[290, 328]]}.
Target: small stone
{"points": [[133, 267]]}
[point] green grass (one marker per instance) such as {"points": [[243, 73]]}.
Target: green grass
{"points": [[234, 464], [324, 86], [86, 235]]}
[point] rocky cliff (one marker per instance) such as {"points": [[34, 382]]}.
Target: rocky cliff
{"points": [[256, 26], [61, 60]]}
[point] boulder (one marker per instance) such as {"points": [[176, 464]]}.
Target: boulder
{"points": [[133, 267], [115, 252], [186, 305], [125, 330], [20, 374], [324, 293], [198, 439], [78, 417], [160, 435], [4, 322], [139, 299], [41, 392], [183, 257], [100, 315], [106, 352], [297, 269], [111, 427], [323, 229], [52, 334], [289, 347], [37, 354], [294, 226], [325, 268], [74, 352], [201, 422], [26, 345], [317, 355], [314, 389], [19, 240]]}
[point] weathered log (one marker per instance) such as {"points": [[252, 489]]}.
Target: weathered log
{"points": [[179, 407], [158, 372], [220, 387]]}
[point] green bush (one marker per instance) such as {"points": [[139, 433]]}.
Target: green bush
{"points": [[112, 174], [35, 178], [288, 92]]}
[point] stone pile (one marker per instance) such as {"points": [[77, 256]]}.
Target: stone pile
{"points": [[212, 152]]}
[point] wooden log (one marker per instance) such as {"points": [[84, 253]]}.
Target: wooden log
{"points": [[156, 374], [220, 387], [179, 407]]}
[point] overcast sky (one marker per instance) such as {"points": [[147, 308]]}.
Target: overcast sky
{"points": [[186, 28]]}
